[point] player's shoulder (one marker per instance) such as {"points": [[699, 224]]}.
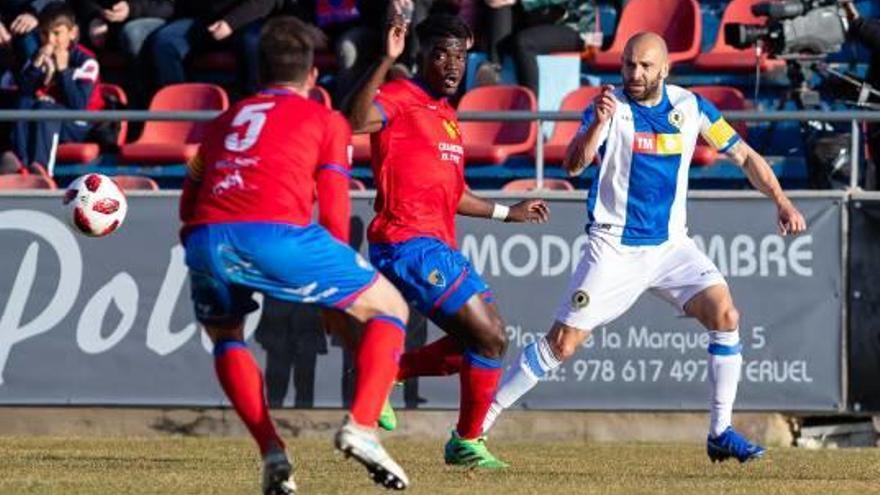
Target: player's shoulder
{"points": [[397, 88], [677, 94]]}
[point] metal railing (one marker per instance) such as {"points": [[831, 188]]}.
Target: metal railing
{"points": [[853, 117]]}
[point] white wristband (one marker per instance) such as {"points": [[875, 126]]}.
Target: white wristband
{"points": [[500, 212]]}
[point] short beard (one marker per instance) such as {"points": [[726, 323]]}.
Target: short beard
{"points": [[652, 91]]}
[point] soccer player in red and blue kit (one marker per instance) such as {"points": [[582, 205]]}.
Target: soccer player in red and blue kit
{"points": [[418, 165], [247, 213]]}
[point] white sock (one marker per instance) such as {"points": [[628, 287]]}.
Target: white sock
{"points": [[725, 365], [535, 361]]}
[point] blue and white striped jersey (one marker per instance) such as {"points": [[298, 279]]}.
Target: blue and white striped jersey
{"points": [[644, 157]]}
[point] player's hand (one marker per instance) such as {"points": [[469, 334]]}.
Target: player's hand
{"points": [[98, 29], [220, 30], [23, 24], [401, 11], [529, 211], [396, 40], [119, 12], [791, 222], [5, 35], [605, 104]]}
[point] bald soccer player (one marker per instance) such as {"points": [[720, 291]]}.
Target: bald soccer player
{"points": [[642, 138]]}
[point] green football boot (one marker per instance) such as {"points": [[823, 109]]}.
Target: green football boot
{"points": [[387, 418], [471, 453]]}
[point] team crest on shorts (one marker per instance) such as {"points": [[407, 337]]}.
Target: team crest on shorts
{"points": [[676, 118], [580, 299], [436, 278]]}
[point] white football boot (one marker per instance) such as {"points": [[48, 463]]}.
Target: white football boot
{"points": [[362, 444]]}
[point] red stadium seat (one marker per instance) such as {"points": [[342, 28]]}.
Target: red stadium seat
{"points": [[174, 142], [356, 185], [564, 131], [321, 95], [520, 185], [724, 57], [31, 181], [361, 148], [724, 98], [494, 142], [135, 183], [677, 21], [88, 152]]}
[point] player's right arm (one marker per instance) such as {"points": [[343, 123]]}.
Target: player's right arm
{"points": [[332, 178], [364, 116], [191, 184], [593, 131]]}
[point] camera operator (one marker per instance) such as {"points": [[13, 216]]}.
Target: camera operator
{"points": [[867, 32]]}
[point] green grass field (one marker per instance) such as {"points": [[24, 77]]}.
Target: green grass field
{"points": [[199, 465]]}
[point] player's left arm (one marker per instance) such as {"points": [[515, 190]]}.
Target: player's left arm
{"points": [[761, 176], [526, 211]]}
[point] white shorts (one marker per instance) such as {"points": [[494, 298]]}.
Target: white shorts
{"points": [[611, 277]]}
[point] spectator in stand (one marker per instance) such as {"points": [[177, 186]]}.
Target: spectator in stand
{"points": [[18, 23], [354, 30], [122, 24], [62, 75], [201, 26], [548, 26], [867, 32]]}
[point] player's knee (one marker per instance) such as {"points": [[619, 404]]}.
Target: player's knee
{"points": [[564, 349], [491, 340], [218, 332], [388, 301], [726, 319]]}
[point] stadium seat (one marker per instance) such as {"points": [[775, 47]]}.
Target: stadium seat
{"points": [[135, 183], [678, 21], [356, 185], [494, 142], [564, 130], [321, 95], [724, 98], [174, 142], [520, 185], [88, 152], [30, 181], [724, 57]]}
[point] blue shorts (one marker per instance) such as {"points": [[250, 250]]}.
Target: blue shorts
{"points": [[432, 276], [229, 261]]}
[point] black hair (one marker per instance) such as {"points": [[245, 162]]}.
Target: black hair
{"points": [[54, 13], [437, 26]]}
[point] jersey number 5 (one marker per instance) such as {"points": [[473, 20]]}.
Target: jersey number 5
{"points": [[254, 117]]}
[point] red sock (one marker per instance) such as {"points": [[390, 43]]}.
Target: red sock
{"points": [[376, 366], [479, 380], [242, 380], [439, 358]]}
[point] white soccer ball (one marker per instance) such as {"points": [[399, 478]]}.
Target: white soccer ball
{"points": [[96, 205]]}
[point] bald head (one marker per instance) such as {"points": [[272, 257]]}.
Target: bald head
{"points": [[645, 66]]}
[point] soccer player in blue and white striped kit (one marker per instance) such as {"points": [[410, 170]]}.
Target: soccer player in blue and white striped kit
{"points": [[643, 137]]}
